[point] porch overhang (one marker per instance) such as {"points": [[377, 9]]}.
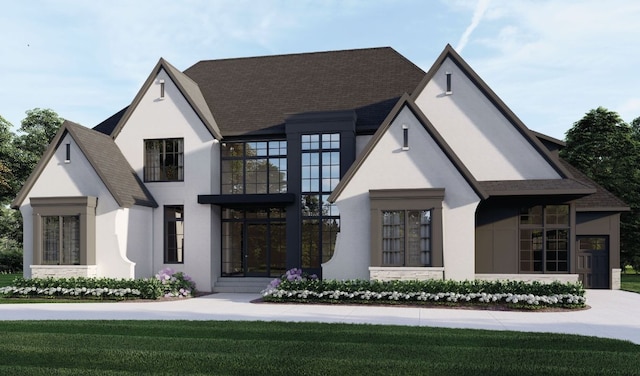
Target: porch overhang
{"points": [[248, 199]]}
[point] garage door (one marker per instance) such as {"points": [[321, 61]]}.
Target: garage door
{"points": [[593, 261]]}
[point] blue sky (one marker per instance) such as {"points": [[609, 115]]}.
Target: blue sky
{"points": [[550, 61]]}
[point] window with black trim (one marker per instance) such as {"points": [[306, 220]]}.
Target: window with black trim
{"points": [[257, 167], [174, 234], [164, 160], [320, 163], [544, 239]]}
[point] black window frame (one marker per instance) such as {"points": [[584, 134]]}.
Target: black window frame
{"points": [[547, 234], [177, 161], [173, 250], [320, 220], [273, 153]]}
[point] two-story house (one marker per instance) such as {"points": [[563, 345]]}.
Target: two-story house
{"points": [[348, 164]]}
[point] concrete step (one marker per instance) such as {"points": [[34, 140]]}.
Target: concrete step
{"points": [[241, 285]]}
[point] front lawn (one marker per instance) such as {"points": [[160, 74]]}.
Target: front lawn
{"points": [[630, 282], [273, 348]]}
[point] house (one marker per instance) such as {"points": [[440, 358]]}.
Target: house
{"points": [[348, 164]]}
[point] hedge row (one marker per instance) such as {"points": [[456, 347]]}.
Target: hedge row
{"points": [[522, 294]]}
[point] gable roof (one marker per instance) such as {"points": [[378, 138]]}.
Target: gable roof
{"points": [[247, 95], [450, 53], [406, 101], [106, 159], [600, 200], [188, 88]]}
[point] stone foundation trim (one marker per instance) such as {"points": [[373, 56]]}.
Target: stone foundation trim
{"points": [[405, 274], [63, 271], [543, 278]]}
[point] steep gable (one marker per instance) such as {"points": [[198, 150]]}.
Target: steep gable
{"points": [[487, 136], [107, 161], [187, 87], [406, 102]]}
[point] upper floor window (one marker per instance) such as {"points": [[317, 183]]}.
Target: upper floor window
{"points": [[164, 160], [258, 167]]}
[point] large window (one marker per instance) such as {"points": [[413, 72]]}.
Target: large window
{"points": [[406, 238], [174, 234], [61, 240], [164, 160], [64, 230], [254, 242], [544, 239], [320, 175], [254, 167], [406, 227]]}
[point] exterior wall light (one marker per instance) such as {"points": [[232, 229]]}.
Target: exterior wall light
{"points": [[161, 88]]}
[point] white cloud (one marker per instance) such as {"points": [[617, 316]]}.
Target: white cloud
{"points": [[479, 11]]}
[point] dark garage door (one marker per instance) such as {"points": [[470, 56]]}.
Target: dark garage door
{"points": [[593, 261]]}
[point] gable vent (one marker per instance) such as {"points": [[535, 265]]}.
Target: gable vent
{"points": [[449, 89]]}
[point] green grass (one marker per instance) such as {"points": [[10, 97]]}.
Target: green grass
{"points": [[6, 279], [257, 348], [630, 281]]}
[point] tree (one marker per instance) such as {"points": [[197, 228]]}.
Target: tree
{"points": [[607, 149], [35, 133], [7, 186]]}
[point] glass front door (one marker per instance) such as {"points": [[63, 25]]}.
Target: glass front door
{"points": [[254, 243]]}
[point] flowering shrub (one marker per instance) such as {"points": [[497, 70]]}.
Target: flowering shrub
{"points": [[166, 283], [291, 276], [514, 293], [176, 284]]}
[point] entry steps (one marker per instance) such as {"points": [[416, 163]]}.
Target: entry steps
{"points": [[241, 284]]}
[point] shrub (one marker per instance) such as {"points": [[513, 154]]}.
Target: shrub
{"points": [[517, 293], [165, 284], [10, 256]]}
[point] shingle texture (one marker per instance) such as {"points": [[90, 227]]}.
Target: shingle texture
{"points": [[539, 186], [600, 199], [112, 167], [250, 95]]}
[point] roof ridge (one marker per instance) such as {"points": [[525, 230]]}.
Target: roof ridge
{"points": [[299, 54]]}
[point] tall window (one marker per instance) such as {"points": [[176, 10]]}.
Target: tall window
{"points": [[544, 239], [164, 160], [174, 234], [406, 238], [61, 240], [254, 167], [320, 175]]}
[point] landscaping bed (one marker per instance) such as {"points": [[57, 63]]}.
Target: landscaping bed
{"points": [[297, 287], [166, 284]]}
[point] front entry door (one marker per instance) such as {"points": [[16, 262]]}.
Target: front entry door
{"points": [[593, 261], [256, 250]]}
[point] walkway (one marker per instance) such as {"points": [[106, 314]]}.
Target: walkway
{"points": [[613, 314]]}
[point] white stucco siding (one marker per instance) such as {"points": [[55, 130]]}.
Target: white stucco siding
{"points": [[173, 117], [78, 178], [486, 142], [387, 166]]}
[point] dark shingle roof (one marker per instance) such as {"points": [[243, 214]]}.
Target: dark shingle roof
{"points": [[106, 159], [601, 199], [536, 187], [250, 95]]}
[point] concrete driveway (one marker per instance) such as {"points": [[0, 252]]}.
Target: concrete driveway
{"points": [[613, 314]]}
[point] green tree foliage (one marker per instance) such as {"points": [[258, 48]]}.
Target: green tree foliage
{"points": [[19, 154], [35, 133], [607, 149], [7, 155]]}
